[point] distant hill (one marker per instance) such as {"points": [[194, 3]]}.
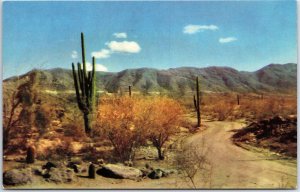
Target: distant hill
{"points": [[271, 78]]}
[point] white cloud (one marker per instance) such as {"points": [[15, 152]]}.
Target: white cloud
{"points": [[124, 46], [191, 29], [99, 67], [74, 55], [103, 53], [120, 35], [227, 39]]}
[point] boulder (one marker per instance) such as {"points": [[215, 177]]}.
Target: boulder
{"points": [[17, 176], [119, 171], [60, 175]]}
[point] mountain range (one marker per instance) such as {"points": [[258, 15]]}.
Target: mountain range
{"points": [[271, 78]]}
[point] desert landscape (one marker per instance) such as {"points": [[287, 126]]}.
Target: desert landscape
{"points": [[183, 127]]}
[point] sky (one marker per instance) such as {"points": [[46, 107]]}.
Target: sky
{"points": [[245, 35]]}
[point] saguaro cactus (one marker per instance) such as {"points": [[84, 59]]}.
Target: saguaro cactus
{"points": [[92, 171], [30, 154], [85, 86], [129, 89], [197, 102]]}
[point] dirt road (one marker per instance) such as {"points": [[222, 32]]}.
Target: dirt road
{"points": [[235, 167]]}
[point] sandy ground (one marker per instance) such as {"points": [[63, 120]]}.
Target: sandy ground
{"points": [[232, 167]]}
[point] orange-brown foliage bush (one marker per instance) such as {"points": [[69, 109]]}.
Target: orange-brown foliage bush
{"points": [[129, 122], [166, 117]]}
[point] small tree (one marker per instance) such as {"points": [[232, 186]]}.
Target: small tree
{"points": [[166, 117], [117, 121]]}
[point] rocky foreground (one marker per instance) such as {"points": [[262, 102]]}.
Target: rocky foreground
{"points": [[277, 134], [70, 171]]}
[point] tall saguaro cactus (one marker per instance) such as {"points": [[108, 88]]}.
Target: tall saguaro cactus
{"points": [[85, 86], [197, 103]]}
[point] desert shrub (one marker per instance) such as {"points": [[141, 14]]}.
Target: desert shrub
{"points": [[194, 160], [252, 106], [165, 119], [116, 122], [220, 109], [129, 122]]}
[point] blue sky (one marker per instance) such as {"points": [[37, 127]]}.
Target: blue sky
{"points": [[242, 35]]}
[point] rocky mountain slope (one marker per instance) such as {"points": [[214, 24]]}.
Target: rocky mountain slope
{"points": [[271, 78]]}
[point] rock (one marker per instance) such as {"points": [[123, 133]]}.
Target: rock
{"points": [[100, 161], [146, 172], [60, 175], [156, 174], [38, 171], [277, 120], [17, 176], [74, 166], [49, 165], [119, 172]]}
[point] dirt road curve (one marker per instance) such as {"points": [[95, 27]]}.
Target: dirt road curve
{"points": [[235, 167]]}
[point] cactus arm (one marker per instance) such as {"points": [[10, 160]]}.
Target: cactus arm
{"points": [[89, 82], [76, 87], [93, 81], [83, 66], [83, 54], [80, 77], [198, 96]]}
